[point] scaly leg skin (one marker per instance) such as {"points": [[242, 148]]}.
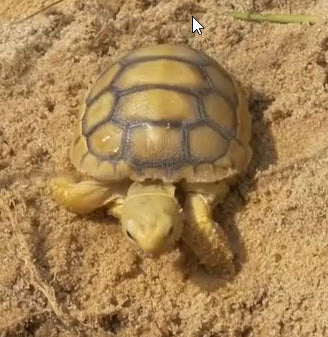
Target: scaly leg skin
{"points": [[204, 236], [115, 208], [81, 197]]}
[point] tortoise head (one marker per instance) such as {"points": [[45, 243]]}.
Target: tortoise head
{"points": [[152, 217]]}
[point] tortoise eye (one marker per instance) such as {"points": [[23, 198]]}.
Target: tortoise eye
{"points": [[130, 235], [170, 231]]}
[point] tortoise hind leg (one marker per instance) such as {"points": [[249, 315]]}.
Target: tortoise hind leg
{"points": [[80, 197], [204, 236]]}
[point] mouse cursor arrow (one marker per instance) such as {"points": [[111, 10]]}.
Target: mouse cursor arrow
{"points": [[196, 26]]}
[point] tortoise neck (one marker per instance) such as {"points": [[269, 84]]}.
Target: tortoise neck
{"points": [[151, 188]]}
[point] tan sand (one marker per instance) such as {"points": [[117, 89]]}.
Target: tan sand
{"points": [[67, 275]]}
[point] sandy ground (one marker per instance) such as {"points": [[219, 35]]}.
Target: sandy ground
{"points": [[68, 275]]}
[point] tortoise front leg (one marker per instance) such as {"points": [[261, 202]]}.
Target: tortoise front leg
{"points": [[81, 197], [204, 236]]}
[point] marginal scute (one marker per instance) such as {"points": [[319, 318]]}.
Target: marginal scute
{"points": [[111, 171], [244, 120], [89, 162], [204, 142], [122, 169], [219, 111], [161, 72], [224, 162], [182, 52], [239, 155], [98, 111], [78, 150], [204, 171], [222, 173], [105, 170], [156, 144], [106, 140], [103, 82], [168, 104], [77, 133]]}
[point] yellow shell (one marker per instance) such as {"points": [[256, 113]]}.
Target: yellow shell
{"points": [[164, 112]]}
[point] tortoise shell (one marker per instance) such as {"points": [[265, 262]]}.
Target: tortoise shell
{"points": [[164, 112]]}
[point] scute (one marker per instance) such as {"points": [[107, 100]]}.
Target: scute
{"points": [[161, 72], [156, 144], [79, 150], [89, 162], [222, 84], [164, 112], [244, 122], [226, 118], [175, 51], [98, 111], [103, 82], [158, 105], [239, 156], [206, 143], [106, 140]]}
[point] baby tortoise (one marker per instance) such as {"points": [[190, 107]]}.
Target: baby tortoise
{"points": [[163, 134]]}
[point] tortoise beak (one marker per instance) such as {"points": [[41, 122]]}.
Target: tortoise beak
{"points": [[153, 249]]}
